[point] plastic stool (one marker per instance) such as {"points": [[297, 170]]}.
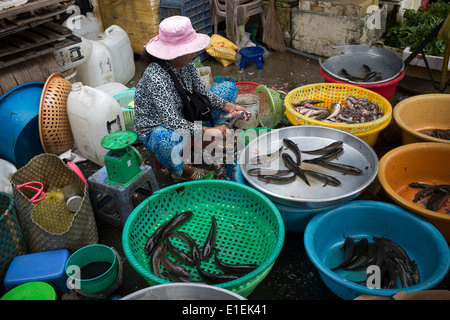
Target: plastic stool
{"points": [[119, 198], [47, 266], [252, 54]]}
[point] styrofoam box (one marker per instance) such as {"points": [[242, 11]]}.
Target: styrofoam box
{"points": [[434, 62]]}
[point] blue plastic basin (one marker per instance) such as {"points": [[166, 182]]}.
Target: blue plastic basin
{"points": [[423, 243], [19, 115]]}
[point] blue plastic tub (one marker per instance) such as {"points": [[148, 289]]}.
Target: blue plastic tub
{"points": [[19, 115], [295, 219], [423, 243], [47, 266]]}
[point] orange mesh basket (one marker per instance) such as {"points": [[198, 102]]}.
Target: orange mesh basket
{"points": [[54, 127], [330, 93]]}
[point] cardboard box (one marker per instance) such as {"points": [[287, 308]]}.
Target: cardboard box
{"points": [[139, 19]]}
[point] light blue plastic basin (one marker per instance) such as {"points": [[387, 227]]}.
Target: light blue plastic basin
{"points": [[423, 243]]}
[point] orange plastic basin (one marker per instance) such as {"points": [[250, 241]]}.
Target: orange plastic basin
{"points": [[426, 111], [425, 162]]}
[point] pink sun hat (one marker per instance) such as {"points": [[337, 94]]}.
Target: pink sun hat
{"points": [[176, 38]]}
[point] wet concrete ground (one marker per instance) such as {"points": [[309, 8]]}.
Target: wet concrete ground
{"points": [[293, 276]]}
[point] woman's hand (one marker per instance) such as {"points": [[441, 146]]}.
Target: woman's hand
{"points": [[234, 109], [218, 131]]}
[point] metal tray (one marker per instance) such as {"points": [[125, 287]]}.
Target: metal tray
{"points": [[297, 193], [352, 57]]}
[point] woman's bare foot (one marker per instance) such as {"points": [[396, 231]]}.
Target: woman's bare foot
{"points": [[188, 171]]}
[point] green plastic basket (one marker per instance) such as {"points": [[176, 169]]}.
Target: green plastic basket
{"points": [[124, 98], [249, 228], [271, 107], [12, 242]]}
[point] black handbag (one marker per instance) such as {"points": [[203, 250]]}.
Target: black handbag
{"points": [[196, 106]]}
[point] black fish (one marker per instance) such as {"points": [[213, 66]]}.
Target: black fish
{"points": [[437, 199], [277, 179], [172, 266], [234, 268], [290, 164], [179, 254], [349, 247], [328, 180], [155, 259], [340, 167], [216, 277], [230, 124], [325, 149], [175, 222], [294, 148], [333, 153], [154, 239], [210, 239], [359, 252], [266, 172], [195, 251]]}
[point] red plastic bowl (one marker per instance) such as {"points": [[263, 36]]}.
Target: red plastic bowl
{"points": [[247, 87], [386, 89]]}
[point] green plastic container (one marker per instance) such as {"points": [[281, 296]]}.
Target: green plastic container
{"points": [[35, 290], [91, 254], [248, 135], [249, 228]]}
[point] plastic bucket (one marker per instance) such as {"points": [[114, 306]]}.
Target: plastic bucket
{"points": [[251, 103], [87, 261], [19, 115]]}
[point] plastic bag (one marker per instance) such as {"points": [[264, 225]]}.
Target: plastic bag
{"points": [[222, 49]]}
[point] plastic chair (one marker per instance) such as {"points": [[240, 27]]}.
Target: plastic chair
{"points": [[218, 11], [238, 12]]}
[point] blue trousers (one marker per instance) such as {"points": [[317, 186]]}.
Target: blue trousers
{"points": [[168, 145]]}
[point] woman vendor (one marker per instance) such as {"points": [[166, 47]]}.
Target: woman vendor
{"points": [[172, 102]]}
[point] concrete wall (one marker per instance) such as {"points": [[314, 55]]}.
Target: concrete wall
{"points": [[317, 32]]}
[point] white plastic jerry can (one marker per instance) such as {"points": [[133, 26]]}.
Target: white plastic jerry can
{"points": [[72, 56], [86, 26], [92, 114], [116, 40]]}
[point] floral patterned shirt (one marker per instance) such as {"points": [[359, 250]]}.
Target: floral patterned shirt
{"points": [[157, 102]]}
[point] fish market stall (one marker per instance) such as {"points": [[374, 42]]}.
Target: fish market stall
{"points": [[356, 162]]}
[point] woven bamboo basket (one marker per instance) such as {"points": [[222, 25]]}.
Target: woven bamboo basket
{"points": [[54, 127]]}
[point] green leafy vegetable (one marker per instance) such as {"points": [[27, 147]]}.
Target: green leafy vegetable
{"points": [[417, 25]]}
